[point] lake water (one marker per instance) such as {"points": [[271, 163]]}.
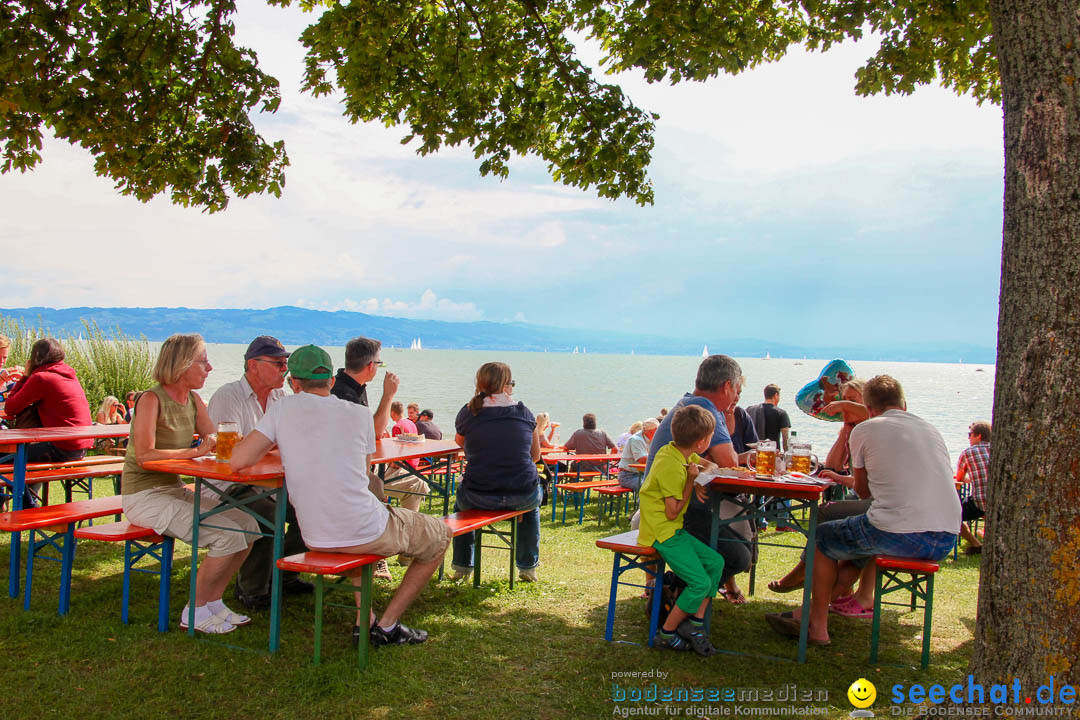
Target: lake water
{"points": [[620, 389]]}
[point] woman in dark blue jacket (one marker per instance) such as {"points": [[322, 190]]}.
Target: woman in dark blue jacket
{"points": [[501, 449]]}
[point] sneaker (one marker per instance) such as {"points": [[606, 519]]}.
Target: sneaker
{"points": [[260, 601], [211, 625], [695, 635], [672, 642], [527, 575], [296, 586], [382, 570], [400, 635]]}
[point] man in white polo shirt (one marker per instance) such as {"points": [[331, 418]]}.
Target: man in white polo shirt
{"points": [[901, 461], [244, 402], [325, 443]]}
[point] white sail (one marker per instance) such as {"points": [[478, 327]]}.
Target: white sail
{"points": [[575, 351], [419, 345], [705, 351], [767, 355]]}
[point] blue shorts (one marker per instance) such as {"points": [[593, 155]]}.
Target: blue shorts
{"points": [[854, 539]]}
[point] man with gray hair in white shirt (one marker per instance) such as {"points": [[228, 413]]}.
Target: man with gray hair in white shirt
{"points": [[244, 402]]}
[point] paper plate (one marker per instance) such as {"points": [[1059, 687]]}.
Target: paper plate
{"points": [[818, 393]]}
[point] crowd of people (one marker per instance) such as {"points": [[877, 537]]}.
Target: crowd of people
{"points": [[894, 464]]}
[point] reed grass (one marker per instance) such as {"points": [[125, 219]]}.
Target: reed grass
{"points": [[110, 363]]}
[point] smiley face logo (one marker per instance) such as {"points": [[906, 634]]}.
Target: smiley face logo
{"points": [[862, 693]]}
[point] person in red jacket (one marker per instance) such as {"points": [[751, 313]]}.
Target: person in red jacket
{"points": [[50, 386]]}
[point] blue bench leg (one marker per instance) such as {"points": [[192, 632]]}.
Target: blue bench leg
{"points": [[31, 546], [609, 629], [657, 597], [165, 584]]}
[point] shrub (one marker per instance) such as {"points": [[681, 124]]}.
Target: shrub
{"points": [[105, 364]]}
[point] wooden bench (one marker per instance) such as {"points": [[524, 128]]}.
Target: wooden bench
{"points": [[918, 580], [139, 542], [607, 496], [55, 524], [580, 491], [630, 556], [72, 474], [344, 565]]}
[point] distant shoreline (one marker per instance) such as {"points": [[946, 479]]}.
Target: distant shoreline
{"points": [[297, 326]]}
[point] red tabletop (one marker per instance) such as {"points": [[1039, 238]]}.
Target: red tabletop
{"points": [[268, 472], [388, 450], [52, 434], [581, 457]]}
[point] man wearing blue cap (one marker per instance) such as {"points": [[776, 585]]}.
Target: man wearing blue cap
{"points": [[244, 402], [325, 443]]}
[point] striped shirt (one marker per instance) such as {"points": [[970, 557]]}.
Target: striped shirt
{"points": [[975, 462]]}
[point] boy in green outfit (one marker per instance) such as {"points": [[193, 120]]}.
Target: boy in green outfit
{"points": [[664, 497]]}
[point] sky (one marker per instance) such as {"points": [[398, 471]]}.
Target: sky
{"points": [[786, 206]]}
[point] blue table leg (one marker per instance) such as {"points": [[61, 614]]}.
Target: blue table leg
{"points": [[67, 562], [282, 503], [18, 488], [808, 581]]}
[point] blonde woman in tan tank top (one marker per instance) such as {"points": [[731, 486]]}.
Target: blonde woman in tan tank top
{"points": [[169, 414]]}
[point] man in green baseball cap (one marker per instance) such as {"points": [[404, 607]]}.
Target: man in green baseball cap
{"points": [[325, 443]]}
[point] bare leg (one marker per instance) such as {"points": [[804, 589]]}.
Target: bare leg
{"points": [[416, 577], [825, 572], [846, 575], [867, 579], [792, 581], [214, 574], [676, 616], [966, 534]]}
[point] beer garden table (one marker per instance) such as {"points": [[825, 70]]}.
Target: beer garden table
{"points": [[390, 452], [14, 443]]}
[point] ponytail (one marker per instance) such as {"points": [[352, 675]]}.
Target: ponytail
{"points": [[477, 403]]}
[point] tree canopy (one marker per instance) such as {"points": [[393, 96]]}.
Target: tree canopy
{"points": [[162, 98]]}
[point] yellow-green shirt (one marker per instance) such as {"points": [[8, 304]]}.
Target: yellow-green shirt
{"points": [[666, 478], [175, 431]]}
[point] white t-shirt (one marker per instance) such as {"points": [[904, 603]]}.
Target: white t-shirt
{"points": [[910, 474], [325, 443], [236, 402]]}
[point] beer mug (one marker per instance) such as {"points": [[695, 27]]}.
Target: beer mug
{"points": [[228, 434], [801, 459], [762, 460]]}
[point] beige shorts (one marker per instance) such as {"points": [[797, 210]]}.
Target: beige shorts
{"points": [[420, 536], [399, 482], [170, 511]]}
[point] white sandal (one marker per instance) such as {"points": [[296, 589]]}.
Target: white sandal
{"points": [[212, 625], [233, 618]]}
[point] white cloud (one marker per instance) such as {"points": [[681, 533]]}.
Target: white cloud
{"points": [[429, 307]]}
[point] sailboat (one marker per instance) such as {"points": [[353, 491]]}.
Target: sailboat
{"points": [[416, 345], [584, 351], [767, 355], [705, 351], [575, 351]]}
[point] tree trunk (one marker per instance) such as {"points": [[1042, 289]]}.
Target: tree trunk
{"points": [[1029, 594]]}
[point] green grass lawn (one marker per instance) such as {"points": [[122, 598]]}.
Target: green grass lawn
{"points": [[535, 652]]}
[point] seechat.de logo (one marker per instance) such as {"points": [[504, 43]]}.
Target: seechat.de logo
{"points": [[862, 694]]}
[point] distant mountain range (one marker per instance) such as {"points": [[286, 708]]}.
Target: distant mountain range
{"points": [[297, 326]]}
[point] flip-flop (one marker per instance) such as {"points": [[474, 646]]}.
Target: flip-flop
{"points": [[788, 625], [735, 598], [776, 587]]}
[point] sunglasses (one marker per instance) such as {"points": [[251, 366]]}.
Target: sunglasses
{"points": [[280, 363]]}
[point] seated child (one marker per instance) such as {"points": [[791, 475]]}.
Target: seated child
{"points": [[664, 497]]}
